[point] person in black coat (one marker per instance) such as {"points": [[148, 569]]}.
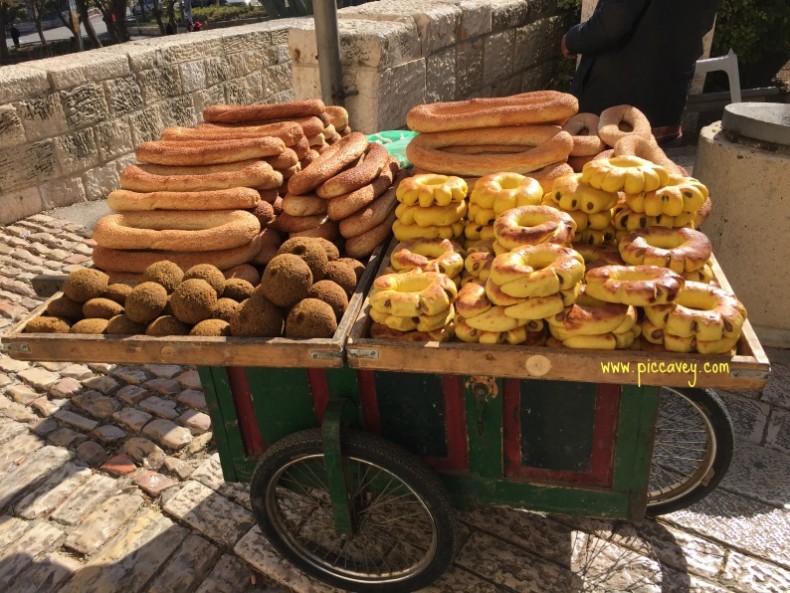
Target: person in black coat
{"points": [[640, 53]]}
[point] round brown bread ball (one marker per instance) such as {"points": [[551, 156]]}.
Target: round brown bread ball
{"points": [[211, 327], [310, 251], [101, 308], [85, 284], [146, 302], [167, 325], [332, 252], [341, 273], [47, 325], [166, 273], [245, 272], [65, 308], [193, 300], [286, 280], [226, 309], [93, 325], [237, 289], [332, 294], [310, 318], [121, 324], [257, 317], [118, 292], [211, 274], [354, 264]]}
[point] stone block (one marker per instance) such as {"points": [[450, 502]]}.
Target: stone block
{"points": [[187, 567], [188, 48], [100, 181], [146, 125], [103, 522], [747, 573], [469, 61], [84, 105], [160, 83], [42, 116], [236, 41], [19, 83], [179, 111], [77, 151], [114, 139], [12, 132], [210, 96], [507, 14], [244, 90], [749, 417], [18, 204], [440, 76], [307, 84], [438, 27], [69, 71], [167, 434], [276, 79], [507, 86], [141, 55], [475, 19], [497, 57], [33, 470], [778, 433], [123, 95], [27, 165], [217, 71], [61, 192], [193, 76]]}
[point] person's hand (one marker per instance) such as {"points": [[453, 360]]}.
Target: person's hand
{"points": [[564, 49]]}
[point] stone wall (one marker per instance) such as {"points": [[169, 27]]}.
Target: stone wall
{"points": [[68, 125]]}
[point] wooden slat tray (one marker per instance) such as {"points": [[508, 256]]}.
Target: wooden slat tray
{"points": [[747, 370], [219, 351]]}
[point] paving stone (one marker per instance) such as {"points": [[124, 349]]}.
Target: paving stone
{"points": [[5, 380], [778, 433], [108, 433], [46, 575], [98, 367], [31, 472], [163, 386], [10, 429], [46, 407], [775, 391], [456, 579], [602, 565], [119, 465], [85, 499], [153, 483], [145, 452], [168, 371], [76, 371], [196, 422], [53, 491], [44, 426], [104, 384], [55, 367], [749, 416], [96, 404], [132, 418], [22, 394], [131, 394], [102, 523], [65, 388], [747, 573], [134, 376], [192, 399], [759, 473], [181, 468], [211, 514], [190, 379], [65, 437], [40, 537], [229, 576], [10, 365], [187, 567], [164, 408], [16, 411], [15, 451], [75, 420], [167, 434], [39, 378], [91, 453], [199, 443], [131, 558], [209, 473]]}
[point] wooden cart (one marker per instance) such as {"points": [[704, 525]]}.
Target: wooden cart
{"points": [[357, 449]]}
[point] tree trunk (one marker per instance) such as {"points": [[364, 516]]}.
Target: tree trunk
{"points": [[119, 10], [4, 53], [39, 28], [171, 15], [82, 10], [67, 23], [158, 16]]}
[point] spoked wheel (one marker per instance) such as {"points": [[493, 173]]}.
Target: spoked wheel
{"points": [[404, 533], [692, 448]]}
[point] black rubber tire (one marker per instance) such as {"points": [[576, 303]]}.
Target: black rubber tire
{"points": [[709, 471], [359, 450]]}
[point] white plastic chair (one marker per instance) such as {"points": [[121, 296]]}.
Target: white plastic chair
{"points": [[728, 64]]}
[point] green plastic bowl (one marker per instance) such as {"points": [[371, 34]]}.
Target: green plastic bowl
{"points": [[395, 142]]}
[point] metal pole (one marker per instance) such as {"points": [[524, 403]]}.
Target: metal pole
{"points": [[327, 41], [75, 23]]}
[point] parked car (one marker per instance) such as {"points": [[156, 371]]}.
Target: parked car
{"points": [[138, 11]]}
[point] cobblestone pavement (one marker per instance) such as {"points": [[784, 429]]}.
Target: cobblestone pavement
{"points": [[110, 483]]}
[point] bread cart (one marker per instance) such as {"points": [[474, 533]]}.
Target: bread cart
{"points": [[357, 450]]}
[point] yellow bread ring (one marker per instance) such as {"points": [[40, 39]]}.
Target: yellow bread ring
{"points": [[496, 296], [589, 316], [596, 237], [704, 274], [569, 296], [381, 331], [625, 339], [428, 255], [596, 256], [479, 215], [412, 294], [537, 270], [503, 191], [639, 286], [423, 323], [652, 333], [680, 250], [516, 336], [630, 174], [472, 300], [530, 225], [478, 265], [598, 342], [706, 313], [429, 189], [426, 216], [494, 320], [690, 344], [407, 232], [658, 314], [599, 221], [498, 248], [536, 308], [478, 232], [688, 195], [569, 192], [625, 219]]}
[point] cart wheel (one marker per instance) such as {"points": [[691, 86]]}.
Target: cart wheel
{"points": [[405, 533], [692, 448]]}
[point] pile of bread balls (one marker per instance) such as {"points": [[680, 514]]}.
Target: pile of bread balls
{"points": [[303, 293]]}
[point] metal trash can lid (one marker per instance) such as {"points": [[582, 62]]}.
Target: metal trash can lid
{"points": [[767, 122]]}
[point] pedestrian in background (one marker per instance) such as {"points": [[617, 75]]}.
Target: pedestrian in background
{"points": [[14, 35], [640, 53]]}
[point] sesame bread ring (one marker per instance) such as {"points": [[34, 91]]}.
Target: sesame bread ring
{"points": [[428, 255], [571, 193], [680, 250], [430, 189], [344, 206], [306, 205], [549, 173], [333, 160], [407, 232], [621, 120], [530, 225], [122, 200], [640, 286], [536, 308], [503, 191], [310, 126], [177, 230], [261, 112], [411, 294], [630, 174], [583, 127], [258, 175], [289, 132], [427, 216], [370, 216], [537, 270], [706, 313], [373, 162], [646, 148], [196, 152], [337, 115]]}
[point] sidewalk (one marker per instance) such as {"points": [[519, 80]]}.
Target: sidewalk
{"points": [[111, 484]]}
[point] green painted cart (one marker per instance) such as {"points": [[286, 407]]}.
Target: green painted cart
{"points": [[358, 450]]}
